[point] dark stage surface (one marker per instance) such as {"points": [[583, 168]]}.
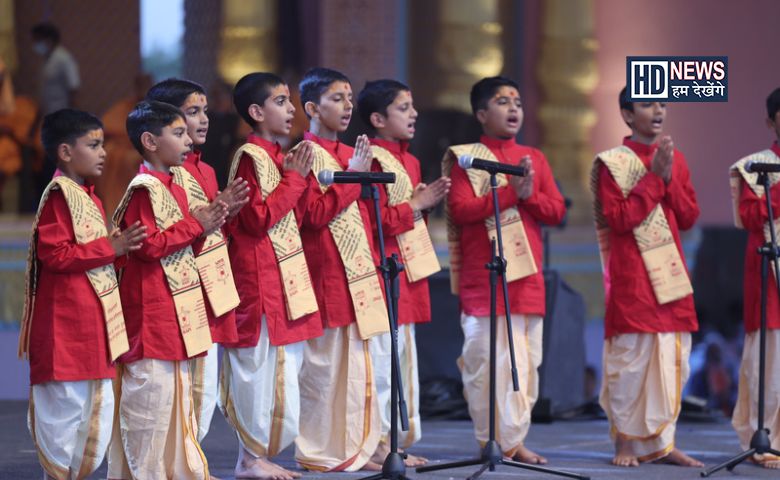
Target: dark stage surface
{"points": [[579, 446]]}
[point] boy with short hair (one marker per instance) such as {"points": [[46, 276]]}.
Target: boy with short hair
{"points": [[386, 106], [643, 197], [751, 214], [525, 203], [340, 424], [164, 306], [259, 385], [199, 182], [72, 328]]}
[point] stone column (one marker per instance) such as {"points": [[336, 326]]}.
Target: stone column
{"points": [[567, 73]]}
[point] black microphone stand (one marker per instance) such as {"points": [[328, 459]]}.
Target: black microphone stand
{"points": [[492, 454], [760, 443], [393, 468]]}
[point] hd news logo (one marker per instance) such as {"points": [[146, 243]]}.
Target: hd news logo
{"points": [[677, 79]]}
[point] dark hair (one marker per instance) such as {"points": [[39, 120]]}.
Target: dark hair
{"points": [[174, 91], [625, 104], [253, 88], [150, 116], [66, 126], [483, 91], [315, 82], [376, 96], [47, 31], [773, 103]]}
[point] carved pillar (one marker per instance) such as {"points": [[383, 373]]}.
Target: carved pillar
{"points": [[567, 73], [249, 38]]}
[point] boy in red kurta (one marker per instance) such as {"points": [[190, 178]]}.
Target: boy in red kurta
{"points": [[164, 306], [387, 107], [644, 197], [278, 311], [340, 422], [199, 181], [525, 203], [73, 327], [751, 214]]}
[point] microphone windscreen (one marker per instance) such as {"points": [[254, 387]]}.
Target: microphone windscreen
{"points": [[325, 177], [465, 161]]}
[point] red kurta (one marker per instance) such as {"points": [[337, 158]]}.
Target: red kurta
{"points": [[315, 210], [545, 205], [223, 329], [257, 272], [68, 339], [631, 303], [150, 315], [414, 302], [752, 212]]}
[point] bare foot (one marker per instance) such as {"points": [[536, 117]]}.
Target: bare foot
{"points": [[414, 460], [766, 461], [380, 453], [624, 454], [525, 455], [372, 466], [677, 457], [261, 469]]}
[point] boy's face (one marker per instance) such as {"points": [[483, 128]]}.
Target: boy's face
{"points": [[503, 116], [278, 111], [774, 124], [194, 108], [173, 143], [335, 108], [85, 158], [647, 119], [400, 119]]}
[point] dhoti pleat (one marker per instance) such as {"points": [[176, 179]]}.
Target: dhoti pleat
{"points": [[340, 423], [642, 383], [157, 425], [745, 418], [407, 355], [70, 423], [259, 394], [513, 409], [205, 388]]}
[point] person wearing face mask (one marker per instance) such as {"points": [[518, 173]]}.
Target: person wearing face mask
{"points": [[59, 77]]}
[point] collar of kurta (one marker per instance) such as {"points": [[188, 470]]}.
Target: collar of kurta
{"points": [[638, 147], [499, 143], [166, 178], [193, 157], [396, 148], [271, 147], [88, 187], [331, 146], [776, 148]]}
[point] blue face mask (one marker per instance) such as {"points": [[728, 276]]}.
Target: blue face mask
{"points": [[40, 48]]}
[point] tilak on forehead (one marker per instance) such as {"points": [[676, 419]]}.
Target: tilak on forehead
{"points": [[96, 134], [506, 92]]}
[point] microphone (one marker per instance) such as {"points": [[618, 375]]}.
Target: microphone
{"points": [[468, 161], [758, 167], [329, 177]]}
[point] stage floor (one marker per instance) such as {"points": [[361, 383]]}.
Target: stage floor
{"points": [[578, 446]]}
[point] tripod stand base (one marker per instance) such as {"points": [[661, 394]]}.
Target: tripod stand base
{"points": [[492, 456], [393, 468], [759, 445]]}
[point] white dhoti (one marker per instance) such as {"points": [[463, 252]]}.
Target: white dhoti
{"points": [[204, 372], [407, 356], [745, 418], [513, 409], [157, 424], [340, 423], [70, 423], [259, 394], [641, 390]]}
